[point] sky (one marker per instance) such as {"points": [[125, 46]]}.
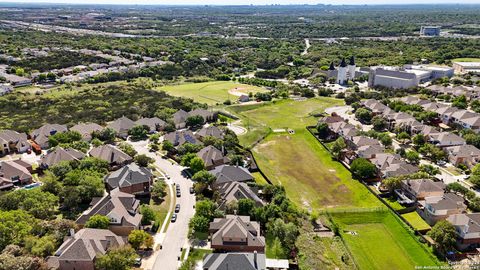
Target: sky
{"points": [[245, 2]]}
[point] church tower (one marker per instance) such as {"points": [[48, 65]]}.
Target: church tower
{"points": [[331, 70], [342, 72], [351, 68]]}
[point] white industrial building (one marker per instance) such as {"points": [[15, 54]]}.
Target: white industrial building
{"points": [[406, 77], [466, 67]]}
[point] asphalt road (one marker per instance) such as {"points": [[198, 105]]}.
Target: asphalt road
{"points": [[177, 233]]}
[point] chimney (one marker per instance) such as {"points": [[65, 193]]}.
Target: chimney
{"points": [[255, 259]]}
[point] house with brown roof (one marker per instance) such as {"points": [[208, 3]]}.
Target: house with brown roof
{"points": [[445, 139], [120, 207], [390, 165], [58, 155], [358, 141], [235, 191], [463, 154], [131, 179], [114, 156], [419, 189], [86, 130], [79, 251], [369, 151], [436, 208], [5, 184], [40, 135], [16, 171], [212, 157], [467, 227], [178, 138], [180, 118], [227, 173], [207, 115], [121, 126], [236, 233], [210, 131], [154, 124], [12, 141]]}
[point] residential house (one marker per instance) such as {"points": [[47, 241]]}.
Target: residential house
{"points": [[86, 130], [227, 173], [210, 131], [375, 106], [419, 189], [390, 165], [445, 139], [5, 184], [17, 171], [436, 208], [467, 227], [235, 191], [121, 126], [58, 155], [131, 179], [369, 151], [243, 98], [114, 156], [472, 123], [120, 207], [12, 141], [40, 135], [80, 250], [445, 113], [343, 129], [234, 261], [207, 116], [359, 141], [178, 138], [236, 233], [212, 157], [463, 154], [154, 124], [180, 118]]}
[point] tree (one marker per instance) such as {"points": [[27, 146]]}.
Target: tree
{"points": [[61, 169], [40, 246], [460, 102], [39, 204], [199, 223], [379, 123], [429, 169], [128, 149], [245, 207], [403, 137], [475, 180], [143, 160], [418, 140], [286, 232], [196, 164], [167, 146], [322, 130], [159, 190], [106, 135], [98, 222], [138, 133], [14, 227], [337, 147], [444, 235], [363, 169], [138, 238], [385, 139], [412, 156], [363, 115], [148, 215], [194, 120], [204, 176], [122, 258], [51, 183]]}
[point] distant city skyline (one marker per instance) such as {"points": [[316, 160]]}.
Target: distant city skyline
{"points": [[244, 2]]}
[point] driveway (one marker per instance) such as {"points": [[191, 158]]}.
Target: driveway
{"points": [[176, 236]]}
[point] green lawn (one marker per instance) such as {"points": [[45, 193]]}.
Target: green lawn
{"points": [[382, 242], [392, 201], [259, 179], [416, 221], [466, 60], [211, 93]]}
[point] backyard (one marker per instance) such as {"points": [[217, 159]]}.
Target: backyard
{"points": [[211, 93], [378, 240]]}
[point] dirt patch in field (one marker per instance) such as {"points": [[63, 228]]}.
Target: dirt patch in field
{"points": [[239, 91]]}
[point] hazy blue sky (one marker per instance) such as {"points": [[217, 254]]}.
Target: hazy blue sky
{"points": [[245, 2]]}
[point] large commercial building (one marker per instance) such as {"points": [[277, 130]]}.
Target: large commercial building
{"points": [[406, 77], [465, 67], [430, 31]]}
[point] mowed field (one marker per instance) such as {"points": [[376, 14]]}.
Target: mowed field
{"points": [[211, 93], [380, 241], [298, 161]]}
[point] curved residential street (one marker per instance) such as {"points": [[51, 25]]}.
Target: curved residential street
{"points": [[176, 236]]}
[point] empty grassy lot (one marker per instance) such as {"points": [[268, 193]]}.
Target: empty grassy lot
{"points": [[416, 221], [466, 60], [381, 241], [211, 93]]}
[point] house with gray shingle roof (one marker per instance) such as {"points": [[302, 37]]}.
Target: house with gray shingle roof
{"points": [[80, 250], [419, 189], [212, 157], [445, 139], [120, 207], [227, 173], [114, 156], [131, 179], [16, 171], [121, 126], [40, 135], [234, 261], [58, 155], [12, 141], [153, 124], [210, 131], [235, 191], [436, 208], [86, 130], [463, 154], [178, 138], [179, 118], [236, 233], [467, 227]]}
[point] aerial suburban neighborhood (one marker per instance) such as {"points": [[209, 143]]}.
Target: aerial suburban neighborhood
{"points": [[214, 136]]}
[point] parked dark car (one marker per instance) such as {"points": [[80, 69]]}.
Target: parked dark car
{"points": [[174, 218], [178, 194], [192, 190], [177, 208]]}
